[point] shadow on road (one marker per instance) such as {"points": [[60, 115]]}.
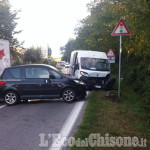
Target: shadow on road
{"points": [[38, 101], [1, 102]]}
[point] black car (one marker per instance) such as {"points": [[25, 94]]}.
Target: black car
{"points": [[38, 82]]}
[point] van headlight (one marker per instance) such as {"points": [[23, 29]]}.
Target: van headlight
{"points": [[84, 74], [79, 82]]}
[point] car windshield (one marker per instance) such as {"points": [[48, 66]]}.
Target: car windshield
{"points": [[96, 64]]}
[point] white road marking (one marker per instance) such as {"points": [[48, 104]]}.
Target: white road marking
{"points": [[2, 106], [67, 127]]}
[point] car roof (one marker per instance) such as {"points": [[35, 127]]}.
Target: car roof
{"points": [[27, 65]]}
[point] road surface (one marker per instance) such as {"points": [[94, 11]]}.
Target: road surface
{"points": [[20, 125]]}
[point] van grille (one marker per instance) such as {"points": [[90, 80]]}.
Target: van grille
{"points": [[97, 81]]}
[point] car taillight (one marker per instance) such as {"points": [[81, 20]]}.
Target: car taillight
{"points": [[2, 82]]}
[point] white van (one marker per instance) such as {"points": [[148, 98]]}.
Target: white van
{"points": [[91, 67]]}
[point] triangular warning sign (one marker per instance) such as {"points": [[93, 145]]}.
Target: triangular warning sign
{"points": [[110, 53], [121, 29]]}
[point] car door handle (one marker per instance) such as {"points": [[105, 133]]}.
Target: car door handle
{"points": [[47, 81]]}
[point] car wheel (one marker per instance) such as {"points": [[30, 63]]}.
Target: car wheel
{"points": [[11, 98], [68, 95]]}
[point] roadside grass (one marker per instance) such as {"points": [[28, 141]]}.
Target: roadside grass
{"points": [[117, 118]]}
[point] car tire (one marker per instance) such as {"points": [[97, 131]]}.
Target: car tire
{"points": [[68, 95], [11, 98]]}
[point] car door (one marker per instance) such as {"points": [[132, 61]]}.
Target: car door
{"points": [[53, 85], [34, 78], [73, 61]]}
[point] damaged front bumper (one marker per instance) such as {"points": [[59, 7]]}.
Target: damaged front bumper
{"points": [[93, 83]]}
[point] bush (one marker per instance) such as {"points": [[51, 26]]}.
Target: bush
{"points": [[139, 78], [45, 61], [53, 63]]}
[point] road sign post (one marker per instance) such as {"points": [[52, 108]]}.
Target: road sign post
{"points": [[120, 29], [119, 66]]}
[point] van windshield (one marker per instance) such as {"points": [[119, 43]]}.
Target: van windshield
{"points": [[96, 64]]}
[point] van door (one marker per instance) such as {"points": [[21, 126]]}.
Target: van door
{"points": [[71, 63], [73, 67], [77, 70]]}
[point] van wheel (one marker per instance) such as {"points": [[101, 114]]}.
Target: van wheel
{"points": [[11, 98], [69, 95]]}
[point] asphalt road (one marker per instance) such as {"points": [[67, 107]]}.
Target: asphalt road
{"points": [[20, 125]]}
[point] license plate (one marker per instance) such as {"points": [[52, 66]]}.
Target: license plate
{"points": [[98, 86]]}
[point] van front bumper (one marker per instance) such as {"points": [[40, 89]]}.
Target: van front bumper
{"points": [[93, 83]]}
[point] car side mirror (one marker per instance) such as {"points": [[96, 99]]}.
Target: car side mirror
{"points": [[51, 76]]}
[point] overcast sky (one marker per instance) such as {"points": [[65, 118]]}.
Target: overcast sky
{"points": [[49, 22]]}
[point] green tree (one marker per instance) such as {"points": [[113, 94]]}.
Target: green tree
{"points": [[8, 24], [95, 30], [94, 33], [67, 49], [33, 55]]}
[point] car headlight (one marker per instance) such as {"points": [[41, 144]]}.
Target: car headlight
{"points": [[79, 82], [84, 74]]}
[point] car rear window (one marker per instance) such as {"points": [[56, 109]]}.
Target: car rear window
{"points": [[12, 73]]}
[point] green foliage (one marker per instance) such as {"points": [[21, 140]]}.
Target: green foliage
{"points": [[33, 55], [67, 49], [53, 63], [8, 24], [94, 33], [139, 78], [49, 62], [45, 61]]}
